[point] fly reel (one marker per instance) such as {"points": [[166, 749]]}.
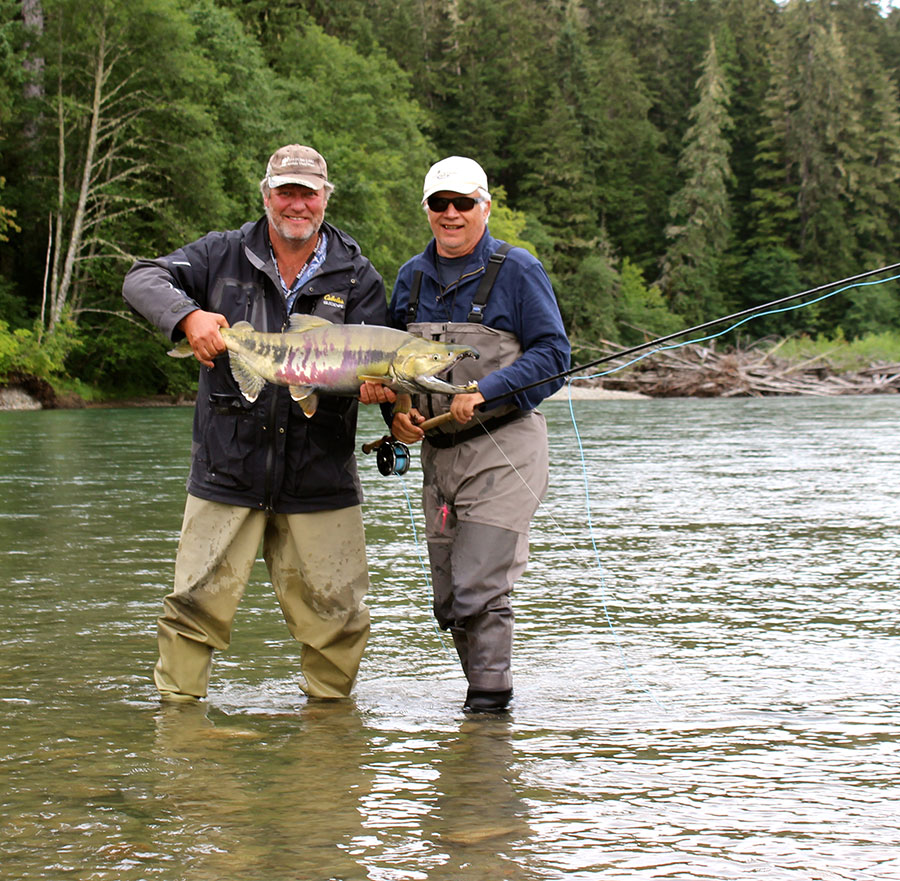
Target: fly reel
{"points": [[392, 457]]}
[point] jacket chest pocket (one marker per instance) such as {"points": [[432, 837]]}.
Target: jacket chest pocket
{"points": [[328, 297], [239, 301]]}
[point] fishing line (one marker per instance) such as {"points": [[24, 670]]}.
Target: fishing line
{"points": [[753, 311], [425, 574], [584, 471], [599, 564]]}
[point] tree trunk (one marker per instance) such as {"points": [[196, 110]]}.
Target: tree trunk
{"points": [[33, 17], [60, 290]]}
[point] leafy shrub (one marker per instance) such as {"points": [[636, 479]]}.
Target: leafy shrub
{"points": [[29, 351]]}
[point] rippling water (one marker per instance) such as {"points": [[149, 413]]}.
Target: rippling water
{"points": [[706, 667]]}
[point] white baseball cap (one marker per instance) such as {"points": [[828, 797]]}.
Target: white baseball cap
{"points": [[456, 174]]}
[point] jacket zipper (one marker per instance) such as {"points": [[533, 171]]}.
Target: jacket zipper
{"points": [[270, 428]]}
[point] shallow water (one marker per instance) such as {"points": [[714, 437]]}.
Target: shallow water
{"points": [[706, 667]]}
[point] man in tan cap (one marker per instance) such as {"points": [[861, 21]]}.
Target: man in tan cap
{"points": [[264, 472]]}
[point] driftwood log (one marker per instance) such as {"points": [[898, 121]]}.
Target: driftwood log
{"points": [[700, 371]]}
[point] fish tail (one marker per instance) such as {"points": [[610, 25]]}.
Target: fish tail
{"points": [[182, 350]]}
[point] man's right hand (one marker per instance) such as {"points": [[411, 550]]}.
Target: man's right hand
{"points": [[202, 332]]}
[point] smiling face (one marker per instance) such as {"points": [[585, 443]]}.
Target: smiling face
{"points": [[295, 212], [456, 233]]}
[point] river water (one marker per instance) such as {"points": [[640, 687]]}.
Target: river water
{"points": [[707, 667]]}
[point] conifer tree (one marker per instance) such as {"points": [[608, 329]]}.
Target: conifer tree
{"points": [[811, 147], [700, 230]]}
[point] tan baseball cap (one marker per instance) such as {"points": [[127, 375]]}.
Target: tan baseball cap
{"points": [[456, 174], [296, 164]]}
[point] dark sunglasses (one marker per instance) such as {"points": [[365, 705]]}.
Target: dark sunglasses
{"points": [[460, 203]]}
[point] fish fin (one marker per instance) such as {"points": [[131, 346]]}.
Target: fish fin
{"points": [[300, 323], [306, 398], [242, 325], [249, 381], [182, 350], [365, 378]]}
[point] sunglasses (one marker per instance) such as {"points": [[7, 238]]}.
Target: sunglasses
{"points": [[460, 203]]}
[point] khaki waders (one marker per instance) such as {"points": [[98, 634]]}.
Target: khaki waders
{"points": [[317, 563]]}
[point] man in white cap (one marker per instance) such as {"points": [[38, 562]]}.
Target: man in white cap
{"points": [[264, 472], [485, 471]]}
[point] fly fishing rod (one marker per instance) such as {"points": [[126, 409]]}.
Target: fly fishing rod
{"points": [[387, 460], [679, 333]]}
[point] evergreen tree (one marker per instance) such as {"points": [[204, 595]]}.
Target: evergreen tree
{"points": [[700, 210], [827, 167], [811, 142]]}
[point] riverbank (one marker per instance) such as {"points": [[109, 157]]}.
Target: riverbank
{"points": [[687, 371]]}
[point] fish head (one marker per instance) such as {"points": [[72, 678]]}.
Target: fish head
{"points": [[416, 366]]}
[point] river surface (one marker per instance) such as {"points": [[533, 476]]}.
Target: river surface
{"points": [[707, 667]]}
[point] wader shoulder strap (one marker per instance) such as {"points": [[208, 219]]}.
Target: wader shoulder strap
{"points": [[413, 305], [495, 261], [481, 295]]}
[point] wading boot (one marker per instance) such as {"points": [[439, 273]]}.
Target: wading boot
{"points": [[487, 701]]}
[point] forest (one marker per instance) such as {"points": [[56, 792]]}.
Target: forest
{"points": [[669, 161]]}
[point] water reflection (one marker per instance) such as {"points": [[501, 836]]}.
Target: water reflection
{"points": [[244, 800], [706, 668]]}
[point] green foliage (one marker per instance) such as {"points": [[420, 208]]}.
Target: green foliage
{"points": [[602, 302], [617, 148], [127, 359], [773, 274], [872, 308], [839, 352], [701, 209], [7, 218], [377, 161], [827, 168], [642, 311], [29, 351], [508, 224]]}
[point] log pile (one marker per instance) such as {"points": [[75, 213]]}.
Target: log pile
{"points": [[700, 371]]}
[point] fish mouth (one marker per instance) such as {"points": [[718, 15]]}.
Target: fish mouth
{"points": [[458, 356], [441, 386]]}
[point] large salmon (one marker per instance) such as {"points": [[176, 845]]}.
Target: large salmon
{"points": [[314, 355]]}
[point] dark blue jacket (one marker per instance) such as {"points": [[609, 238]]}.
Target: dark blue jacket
{"points": [[521, 302], [267, 454]]}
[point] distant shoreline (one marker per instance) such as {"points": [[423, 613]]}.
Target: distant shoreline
{"points": [[595, 393]]}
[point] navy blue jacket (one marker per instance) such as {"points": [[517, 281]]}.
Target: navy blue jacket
{"points": [[267, 454], [521, 302]]}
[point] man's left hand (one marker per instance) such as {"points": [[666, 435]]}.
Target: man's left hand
{"points": [[463, 406], [376, 393]]}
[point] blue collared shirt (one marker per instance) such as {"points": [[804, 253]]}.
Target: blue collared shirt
{"points": [[308, 271]]}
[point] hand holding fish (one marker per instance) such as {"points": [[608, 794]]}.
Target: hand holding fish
{"points": [[202, 332], [376, 393], [313, 355]]}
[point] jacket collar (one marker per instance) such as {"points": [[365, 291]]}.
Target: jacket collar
{"points": [[341, 248]]}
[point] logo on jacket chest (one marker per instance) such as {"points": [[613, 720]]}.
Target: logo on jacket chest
{"points": [[334, 301]]}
